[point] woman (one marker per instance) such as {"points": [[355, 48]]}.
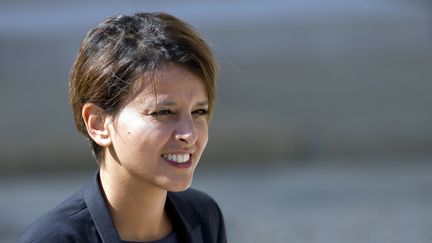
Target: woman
{"points": [[142, 90]]}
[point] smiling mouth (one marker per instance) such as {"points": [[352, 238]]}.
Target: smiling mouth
{"points": [[177, 158]]}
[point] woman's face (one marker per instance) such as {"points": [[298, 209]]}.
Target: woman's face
{"points": [[159, 137]]}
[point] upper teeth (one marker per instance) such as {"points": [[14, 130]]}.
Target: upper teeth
{"points": [[179, 158]]}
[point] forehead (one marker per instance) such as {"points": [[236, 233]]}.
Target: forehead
{"points": [[169, 84]]}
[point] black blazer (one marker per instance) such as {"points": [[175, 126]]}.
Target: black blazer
{"points": [[84, 217]]}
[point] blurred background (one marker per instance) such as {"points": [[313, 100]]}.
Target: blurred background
{"points": [[322, 130]]}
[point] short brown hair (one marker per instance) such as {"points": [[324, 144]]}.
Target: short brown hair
{"points": [[116, 53]]}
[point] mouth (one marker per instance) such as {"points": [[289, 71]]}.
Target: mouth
{"points": [[178, 160]]}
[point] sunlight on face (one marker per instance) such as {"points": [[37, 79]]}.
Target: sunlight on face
{"points": [[160, 138]]}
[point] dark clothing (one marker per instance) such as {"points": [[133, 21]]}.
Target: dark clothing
{"points": [[171, 238], [84, 217]]}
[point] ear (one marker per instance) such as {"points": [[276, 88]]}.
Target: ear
{"points": [[96, 121]]}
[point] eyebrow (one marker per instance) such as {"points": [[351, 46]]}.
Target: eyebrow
{"points": [[173, 103], [203, 103]]}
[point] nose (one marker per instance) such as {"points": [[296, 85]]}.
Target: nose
{"points": [[185, 131]]}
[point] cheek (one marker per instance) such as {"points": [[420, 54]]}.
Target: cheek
{"points": [[149, 135], [202, 130], [131, 130], [138, 141]]}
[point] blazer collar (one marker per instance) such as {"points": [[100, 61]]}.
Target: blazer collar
{"points": [[188, 228], [184, 219], [95, 201]]}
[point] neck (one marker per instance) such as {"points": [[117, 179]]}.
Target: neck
{"points": [[137, 208]]}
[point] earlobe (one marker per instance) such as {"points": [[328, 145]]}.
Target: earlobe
{"points": [[96, 121]]}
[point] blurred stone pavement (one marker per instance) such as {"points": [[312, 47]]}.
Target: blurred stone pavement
{"points": [[386, 201]]}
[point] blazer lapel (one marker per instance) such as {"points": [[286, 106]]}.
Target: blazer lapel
{"points": [[98, 210], [195, 235], [185, 221]]}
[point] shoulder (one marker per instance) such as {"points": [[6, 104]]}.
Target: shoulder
{"points": [[65, 223]]}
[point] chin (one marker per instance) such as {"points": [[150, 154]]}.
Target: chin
{"points": [[178, 186]]}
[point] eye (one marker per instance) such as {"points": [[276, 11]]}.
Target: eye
{"points": [[162, 113], [201, 112]]}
